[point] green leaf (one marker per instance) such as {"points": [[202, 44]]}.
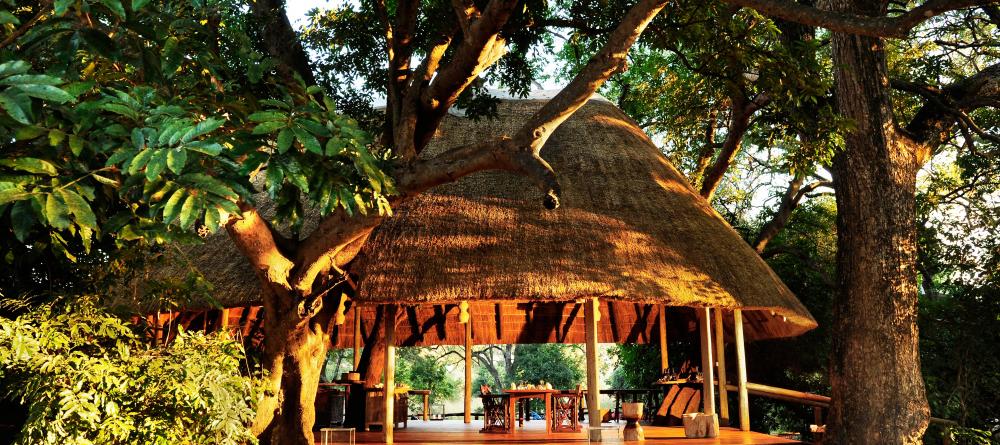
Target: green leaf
{"points": [[156, 164], [285, 138], [212, 220], [22, 218], [46, 92], [31, 79], [314, 127], [79, 208], [307, 140], [31, 165], [204, 127], [56, 212], [275, 103], [14, 67], [139, 4], [121, 109], [119, 156], [105, 180], [75, 144], [28, 133], [273, 178], [138, 139], [206, 147], [268, 127], [61, 6], [173, 206], [116, 7], [13, 194], [56, 137], [7, 17], [176, 158], [265, 116], [189, 212], [139, 161], [17, 109], [293, 172], [208, 184]]}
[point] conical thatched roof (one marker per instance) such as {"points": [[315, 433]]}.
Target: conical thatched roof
{"points": [[630, 230]]}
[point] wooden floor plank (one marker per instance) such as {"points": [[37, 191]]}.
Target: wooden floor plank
{"points": [[455, 432]]}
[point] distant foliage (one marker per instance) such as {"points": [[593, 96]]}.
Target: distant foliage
{"points": [[87, 378]]}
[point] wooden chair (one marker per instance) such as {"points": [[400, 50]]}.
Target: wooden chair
{"points": [[496, 413], [566, 411]]}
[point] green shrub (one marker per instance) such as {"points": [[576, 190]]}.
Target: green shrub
{"points": [[87, 378]]}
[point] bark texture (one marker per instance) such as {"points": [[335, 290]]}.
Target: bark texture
{"points": [[877, 389]]}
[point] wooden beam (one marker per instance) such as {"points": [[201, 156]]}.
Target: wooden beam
{"points": [[389, 390], [707, 364], [357, 336], [720, 359], [664, 357], [468, 372], [741, 370], [593, 383]]}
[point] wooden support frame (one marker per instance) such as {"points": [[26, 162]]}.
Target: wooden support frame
{"points": [[707, 364], [357, 337], [468, 372], [389, 390], [741, 370], [590, 311], [664, 353], [720, 360]]}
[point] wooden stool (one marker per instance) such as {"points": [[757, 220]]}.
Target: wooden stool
{"points": [[632, 412], [330, 436]]}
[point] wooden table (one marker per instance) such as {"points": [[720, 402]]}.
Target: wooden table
{"points": [[427, 405], [517, 395]]}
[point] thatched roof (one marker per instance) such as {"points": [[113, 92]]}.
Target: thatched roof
{"points": [[630, 229]]}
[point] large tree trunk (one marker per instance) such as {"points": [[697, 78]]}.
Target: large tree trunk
{"points": [[877, 388], [287, 412]]}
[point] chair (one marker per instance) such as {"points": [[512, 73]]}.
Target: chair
{"points": [[565, 411], [496, 411]]}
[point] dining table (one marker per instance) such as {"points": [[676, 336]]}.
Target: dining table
{"points": [[517, 395]]}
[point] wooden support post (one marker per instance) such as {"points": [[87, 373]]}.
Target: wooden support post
{"points": [[664, 362], [389, 390], [468, 372], [720, 359], [224, 320], [707, 364], [741, 370], [357, 336], [593, 383]]}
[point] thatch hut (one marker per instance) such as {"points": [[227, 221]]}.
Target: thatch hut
{"points": [[632, 242]]}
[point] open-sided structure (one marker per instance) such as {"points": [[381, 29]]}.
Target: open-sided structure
{"points": [[632, 251]]}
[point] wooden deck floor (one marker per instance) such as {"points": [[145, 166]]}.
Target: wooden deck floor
{"points": [[455, 432]]}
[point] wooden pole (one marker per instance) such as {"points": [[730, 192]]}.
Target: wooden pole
{"points": [[389, 391], [741, 370], [593, 383], [720, 359], [707, 364], [468, 371], [664, 362], [357, 337]]}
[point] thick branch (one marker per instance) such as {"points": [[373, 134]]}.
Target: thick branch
{"points": [[281, 42], [255, 239], [789, 201], [739, 122], [897, 26]]}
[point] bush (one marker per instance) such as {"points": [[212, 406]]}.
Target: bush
{"points": [[86, 377]]}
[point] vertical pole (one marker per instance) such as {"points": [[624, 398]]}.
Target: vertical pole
{"points": [[664, 362], [468, 371], [720, 358], [708, 384], [389, 391], [593, 384], [741, 370], [357, 337]]}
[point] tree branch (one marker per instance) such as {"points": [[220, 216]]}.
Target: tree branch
{"points": [[897, 26], [739, 122], [789, 201], [282, 43]]}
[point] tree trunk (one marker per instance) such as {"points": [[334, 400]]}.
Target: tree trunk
{"points": [[288, 411], [877, 388]]}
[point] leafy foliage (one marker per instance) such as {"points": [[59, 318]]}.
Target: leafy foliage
{"points": [[86, 377]]}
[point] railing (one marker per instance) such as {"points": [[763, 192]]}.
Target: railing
{"points": [[819, 403]]}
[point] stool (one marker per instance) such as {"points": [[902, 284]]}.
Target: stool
{"points": [[330, 436]]}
